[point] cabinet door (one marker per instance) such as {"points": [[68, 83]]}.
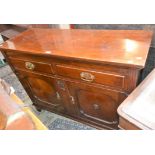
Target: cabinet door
{"points": [[96, 104], [68, 100], [42, 89]]}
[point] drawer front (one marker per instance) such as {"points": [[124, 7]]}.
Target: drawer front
{"points": [[105, 78], [31, 66]]}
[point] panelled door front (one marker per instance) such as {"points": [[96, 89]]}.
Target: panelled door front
{"points": [[96, 103], [42, 89]]}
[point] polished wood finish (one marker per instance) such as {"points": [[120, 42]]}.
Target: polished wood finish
{"points": [[97, 104], [127, 47], [91, 76], [137, 111], [37, 66], [43, 88], [81, 74], [126, 125]]}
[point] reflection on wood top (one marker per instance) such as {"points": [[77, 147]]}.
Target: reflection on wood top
{"points": [[128, 47], [139, 107]]}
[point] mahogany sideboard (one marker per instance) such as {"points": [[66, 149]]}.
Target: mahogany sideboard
{"points": [[80, 74]]}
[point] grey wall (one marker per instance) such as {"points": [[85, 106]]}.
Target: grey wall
{"points": [[119, 27]]}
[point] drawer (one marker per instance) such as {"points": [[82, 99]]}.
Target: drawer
{"points": [[31, 65], [91, 76]]}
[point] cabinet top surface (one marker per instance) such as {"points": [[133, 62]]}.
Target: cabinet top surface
{"points": [[128, 47]]}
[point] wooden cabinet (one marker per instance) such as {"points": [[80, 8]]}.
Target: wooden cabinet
{"points": [[81, 74]]}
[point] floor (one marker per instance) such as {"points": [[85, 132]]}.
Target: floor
{"points": [[51, 120]]}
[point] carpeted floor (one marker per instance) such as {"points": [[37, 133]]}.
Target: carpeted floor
{"points": [[57, 122], [60, 124]]}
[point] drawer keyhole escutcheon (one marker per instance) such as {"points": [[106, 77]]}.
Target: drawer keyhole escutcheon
{"points": [[96, 106], [87, 76], [29, 65], [61, 85], [72, 99], [58, 96]]}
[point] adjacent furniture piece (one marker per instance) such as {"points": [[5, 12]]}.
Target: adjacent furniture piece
{"points": [[138, 110], [9, 31], [14, 114], [81, 74]]}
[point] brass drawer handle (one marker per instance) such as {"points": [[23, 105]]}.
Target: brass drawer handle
{"points": [[87, 76], [29, 65]]}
